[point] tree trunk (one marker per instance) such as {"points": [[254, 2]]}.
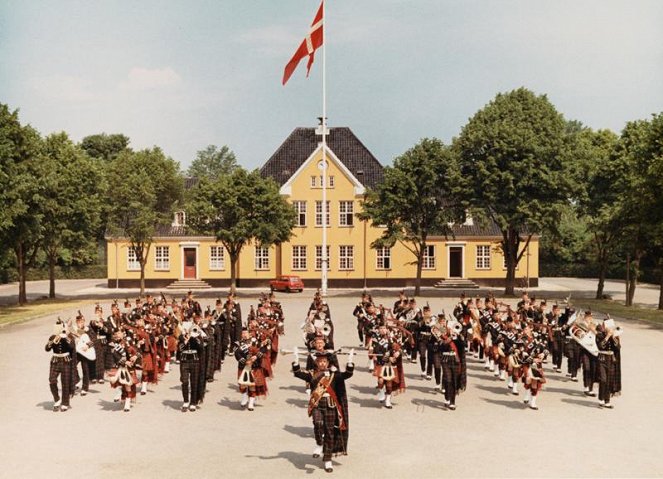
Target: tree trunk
{"points": [[634, 277], [510, 248], [142, 279], [420, 261], [51, 277], [660, 290], [20, 261], [233, 269], [628, 278], [603, 268]]}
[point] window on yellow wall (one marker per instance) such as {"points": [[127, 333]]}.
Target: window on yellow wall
{"points": [[313, 181], [330, 181], [429, 257], [162, 258], [132, 259], [318, 213], [216, 258], [346, 259], [383, 258], [298, 257], [300, 208], [318, 257], [483, 257], [262, 258], [345, 213]]}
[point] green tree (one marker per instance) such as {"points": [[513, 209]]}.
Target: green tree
{"points": [[143, 189], [598, 176], [103, 146], [513, 157], [20, 192], [71, 201], [213, 162], [418, 197], [238, 209]]}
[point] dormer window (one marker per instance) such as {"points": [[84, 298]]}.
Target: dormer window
{"points": [[179, 219]]}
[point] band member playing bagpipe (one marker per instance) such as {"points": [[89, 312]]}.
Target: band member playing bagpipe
{"points": [[533, 375], [328, 405], [61, 363], [190, 350], [609, 362], [387, 354], [122, 376], [251, 372]]}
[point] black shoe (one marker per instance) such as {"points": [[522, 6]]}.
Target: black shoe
{"points": [[590, 393], [451, 407]]}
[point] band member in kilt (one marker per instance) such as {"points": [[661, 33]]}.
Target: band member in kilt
{"points": [[190, 348], [389, 371], [328, 406], [126, 360], [533, 376], [251, 373], [60, 366], [609, 364]]}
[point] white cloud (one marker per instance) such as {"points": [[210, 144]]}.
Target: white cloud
{"points": [[65, 88], [150, 79]]}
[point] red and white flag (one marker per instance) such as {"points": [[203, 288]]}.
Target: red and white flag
{"points": [[311, 43]]}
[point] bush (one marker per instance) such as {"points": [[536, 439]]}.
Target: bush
{"points": [[92, 271]]}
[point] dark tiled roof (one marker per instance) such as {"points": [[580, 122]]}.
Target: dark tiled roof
{"points": [[341, 140], [167, 230], [476, 230]]}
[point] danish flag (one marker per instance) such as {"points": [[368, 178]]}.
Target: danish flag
{"points": [[311, 43]]}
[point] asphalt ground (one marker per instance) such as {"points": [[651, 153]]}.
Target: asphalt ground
{"points": [[491, 434]]}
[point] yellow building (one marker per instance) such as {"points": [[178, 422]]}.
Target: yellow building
{"points": [[471, 257]]}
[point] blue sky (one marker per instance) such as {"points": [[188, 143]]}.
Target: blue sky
{"points": [[183, 75]]}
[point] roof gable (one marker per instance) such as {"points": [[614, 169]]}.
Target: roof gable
{"points": [[302, 143]]}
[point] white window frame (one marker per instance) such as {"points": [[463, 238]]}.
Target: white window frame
{"points": [[346, 259], [314, 181], [132, 259], [318, 257], [318, 214], [482, 257], [261, 258], [161, 260], [299, 257], [217, 258], [176, 219], [344, 215], [381, 255], [300, 207], [331, 181], [428, 260]]}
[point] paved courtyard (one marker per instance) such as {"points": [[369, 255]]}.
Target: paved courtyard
{"points": [[491, 434]]}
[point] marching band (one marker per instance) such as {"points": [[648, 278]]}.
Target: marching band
{"points": [[134, 346]]}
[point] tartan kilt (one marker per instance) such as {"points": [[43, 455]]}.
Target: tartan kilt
{"points": [[336, 442]]}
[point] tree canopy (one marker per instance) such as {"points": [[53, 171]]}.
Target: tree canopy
{"points": [[213, 162]]}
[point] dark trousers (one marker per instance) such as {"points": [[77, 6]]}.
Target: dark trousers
{"points": [[557, 351], [449, 378], [87, 368], [60, 367], [324, 419], [588, 369], [190, 377], [573, 355], [607, 370]]}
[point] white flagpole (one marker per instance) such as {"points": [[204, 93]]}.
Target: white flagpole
{"points": [[324, 154]]}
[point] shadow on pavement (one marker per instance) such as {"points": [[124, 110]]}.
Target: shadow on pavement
{"points": [[303, 403], [46, 405], [302, 461], [570, 392], [431, 403], [292, 387], [592, 404], [230, 404], [110, 405], [495, 389], [369, 402], [172, 404], [299, 431], [429, 389], [513, 404], [364, 389]]}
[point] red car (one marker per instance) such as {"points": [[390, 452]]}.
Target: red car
{"points": [[287, 283]]}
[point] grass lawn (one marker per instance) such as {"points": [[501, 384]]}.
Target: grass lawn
{"points": [[616, 309], [14, 313]]}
